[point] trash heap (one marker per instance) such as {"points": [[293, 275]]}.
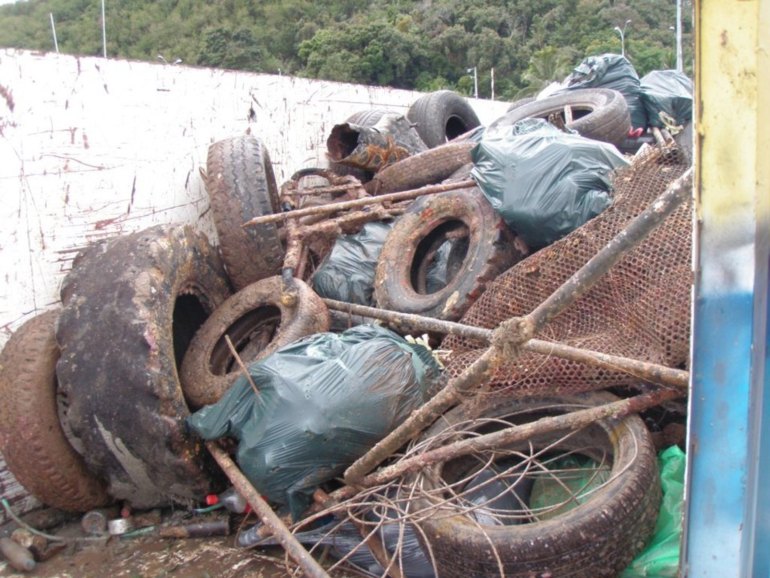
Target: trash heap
{"points": [[552, 306]]}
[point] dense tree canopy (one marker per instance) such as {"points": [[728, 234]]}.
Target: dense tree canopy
{"points": [[420, 44]]}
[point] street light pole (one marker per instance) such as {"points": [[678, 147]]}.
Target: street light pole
{"points": [[622, 33], [475, 81], [679, 64]]}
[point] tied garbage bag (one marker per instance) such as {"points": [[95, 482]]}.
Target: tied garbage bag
{"points": [[667, 96], [611, 71], [544, 183], [322, 403], [347, 274], [660, 558]]}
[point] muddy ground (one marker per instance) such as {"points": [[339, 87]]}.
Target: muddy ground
{"points": [[152, 557]]}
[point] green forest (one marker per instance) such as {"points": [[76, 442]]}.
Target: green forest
{"points": [[424, 45]]}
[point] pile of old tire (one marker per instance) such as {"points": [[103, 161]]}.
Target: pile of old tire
{"points": [[96, 393]]}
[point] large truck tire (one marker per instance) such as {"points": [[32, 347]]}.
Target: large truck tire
{"points": [[131, 308]]}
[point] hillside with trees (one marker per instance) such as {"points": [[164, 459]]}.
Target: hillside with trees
{"points": [[424, 45]]}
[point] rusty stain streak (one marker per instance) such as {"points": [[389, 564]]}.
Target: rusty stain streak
{"points": [[66, 158], [7, 96], [72, 131], [133, 192], [85, 140], [723, 38]]}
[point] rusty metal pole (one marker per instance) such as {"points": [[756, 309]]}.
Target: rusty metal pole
{"points": [[506, 436], [510, 335], [269, 518], [358, 203], [652, 372]]}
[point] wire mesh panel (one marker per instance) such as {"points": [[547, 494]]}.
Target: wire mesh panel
{"points": [[640, 309]]}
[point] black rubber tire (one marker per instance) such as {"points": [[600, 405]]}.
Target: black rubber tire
{"points": [[521, 102], [441, 116], [131, 308], [362, 118], [426, 168], [33, 443], [416, 236], [598, 113], [241, 185], [595, 539], [258, 319]]}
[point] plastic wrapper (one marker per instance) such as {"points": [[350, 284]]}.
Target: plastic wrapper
{"points": [[611, 71], [544, 183], [347, 274], [668, 92], [323, 402], [661, 556]]}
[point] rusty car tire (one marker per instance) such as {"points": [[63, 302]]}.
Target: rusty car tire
{"points": [[131, 307], [241, 185], [488, 247], [595, 539], [32, 441], [441, 116], [600, 113], [258, 319], [425, 168]]}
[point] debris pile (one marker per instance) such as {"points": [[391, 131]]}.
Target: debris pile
{"points": [[542, 266]]}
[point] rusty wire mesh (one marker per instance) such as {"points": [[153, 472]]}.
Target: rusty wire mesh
{"points": [[639, 310]]}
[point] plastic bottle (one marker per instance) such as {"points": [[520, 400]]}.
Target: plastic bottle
{"points": [[231, 500]]}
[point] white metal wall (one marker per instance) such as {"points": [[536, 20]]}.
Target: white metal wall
{"points": [[92, 148]]}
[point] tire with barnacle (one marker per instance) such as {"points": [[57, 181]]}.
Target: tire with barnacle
{"points": [[441, 116], [241, 185], [32, 441], [595, 113], [131, 308], [593, 530], [258, 319], [480, 247]]}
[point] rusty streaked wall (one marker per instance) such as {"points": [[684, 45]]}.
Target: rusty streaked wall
{"points": [[91, 148]]}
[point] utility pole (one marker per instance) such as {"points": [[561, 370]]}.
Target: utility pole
{"points": [[492, 82], [475, 81], [679, 63], [53, 31], [104, 33]]}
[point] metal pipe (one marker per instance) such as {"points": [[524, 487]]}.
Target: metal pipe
{"points": [[516, 433], [357, 203], [269, 518], [652, 372]]}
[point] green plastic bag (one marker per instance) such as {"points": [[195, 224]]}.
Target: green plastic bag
{"points": [[660, 559], [323, 402]]}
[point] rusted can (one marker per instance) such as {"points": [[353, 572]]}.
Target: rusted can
{"points": [[120, 526], [94, 522], [33, 542]]}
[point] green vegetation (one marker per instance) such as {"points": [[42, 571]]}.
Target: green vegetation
{"points": [[424, 45]]}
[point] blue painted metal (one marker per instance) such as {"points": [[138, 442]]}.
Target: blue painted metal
{"points": [[727, 523]]}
